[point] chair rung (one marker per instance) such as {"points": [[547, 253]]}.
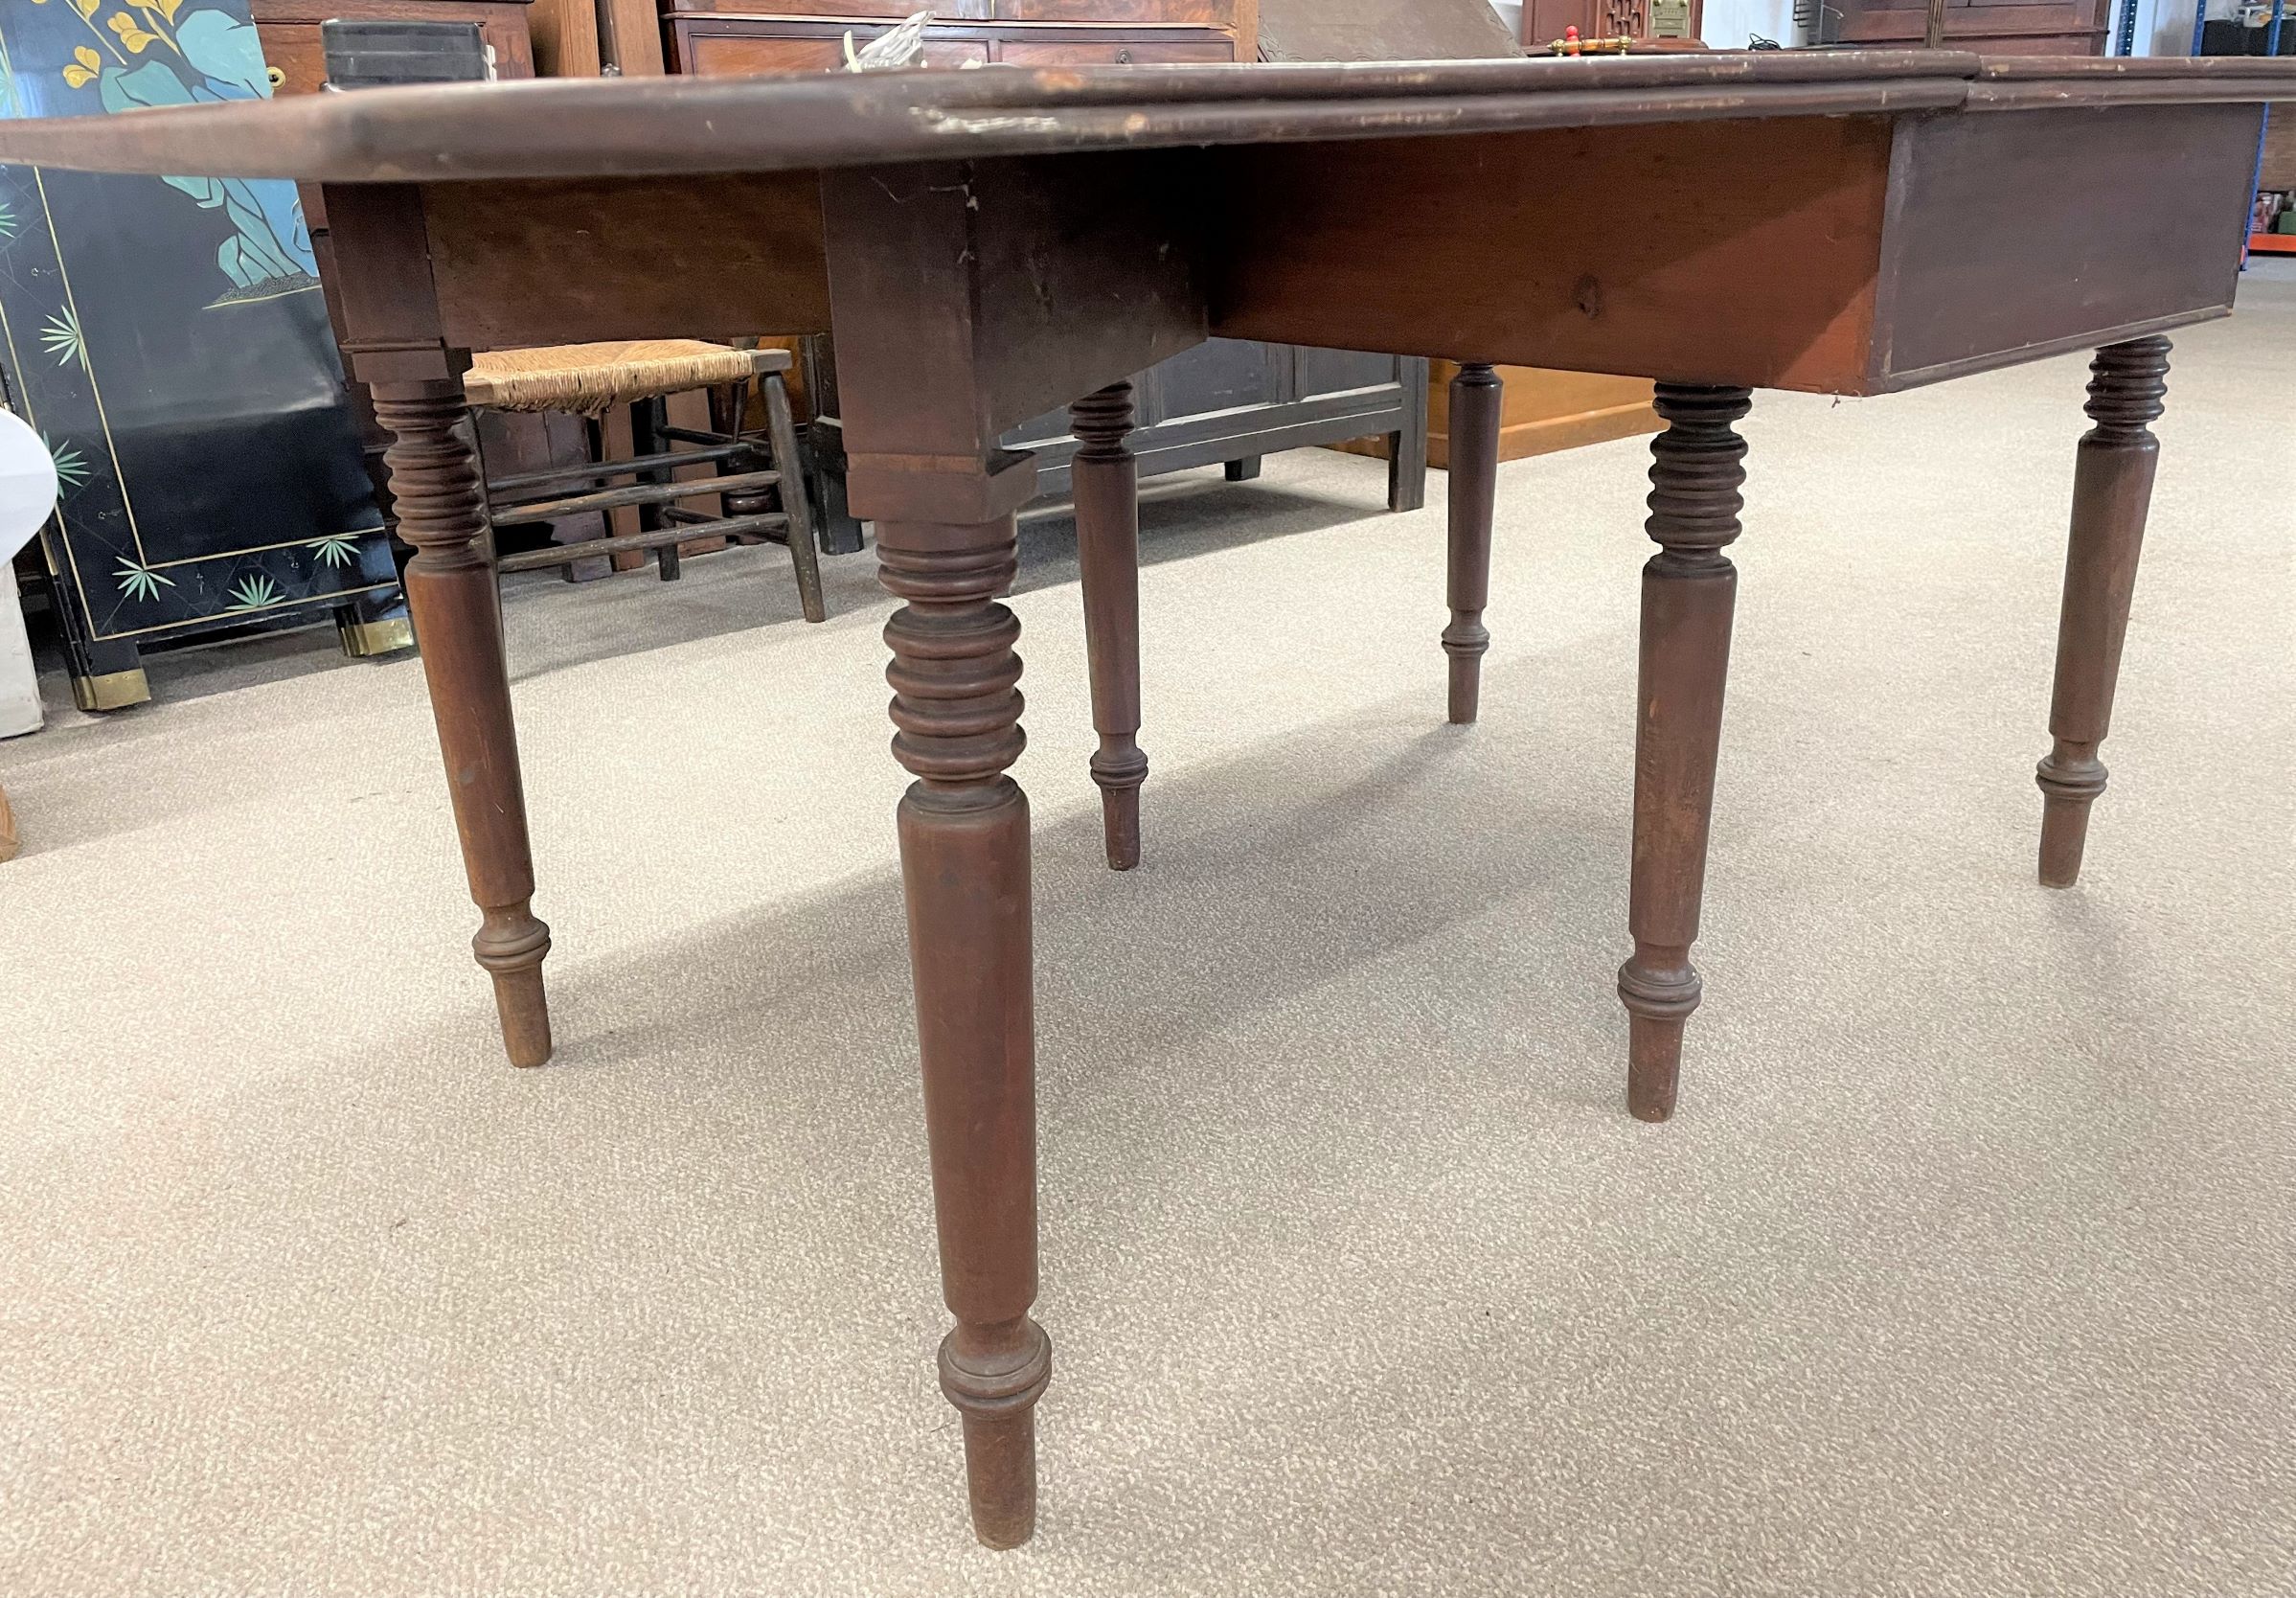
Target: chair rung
{"points": [[566, 555], [525, 481], [637, 494], [694, 435]]}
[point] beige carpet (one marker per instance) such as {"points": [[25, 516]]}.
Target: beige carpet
{"points": [[1966, 1268]]}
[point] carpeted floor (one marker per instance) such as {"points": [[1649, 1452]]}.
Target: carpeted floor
{"points": [[1966, 1268]]}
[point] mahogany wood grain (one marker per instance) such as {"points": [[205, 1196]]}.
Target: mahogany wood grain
{"points": [[630, 38], [1630, 250], [908, 263], [1690, 590], [2112, 490], [1106, 481], [566, 37], [1989, 218], [439, 499], [965, 867], [570, 261], [567, 127], [1476, 398]]}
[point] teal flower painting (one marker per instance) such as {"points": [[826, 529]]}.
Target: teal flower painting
{"points": [[156, 53]]}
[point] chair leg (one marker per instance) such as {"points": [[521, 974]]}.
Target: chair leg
{"points": [[647, 420], [805, 551], [2112, 489]]}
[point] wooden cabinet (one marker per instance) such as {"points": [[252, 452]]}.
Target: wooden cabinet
{"points": [[1223, 401], [722, 38], [288, 33], [1992, 27], [288, 30]]}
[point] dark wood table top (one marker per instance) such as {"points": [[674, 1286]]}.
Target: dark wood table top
{"points": [[636, 127]]}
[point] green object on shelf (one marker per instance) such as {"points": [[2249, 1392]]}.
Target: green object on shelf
{"points": [[2287, 222]]}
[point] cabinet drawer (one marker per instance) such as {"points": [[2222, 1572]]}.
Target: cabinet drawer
{"points": [[1095, 53], [715, 52], [1194, 13]]}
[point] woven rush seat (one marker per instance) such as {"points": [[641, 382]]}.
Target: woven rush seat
{"points": [[755, 480], [589, 379]]}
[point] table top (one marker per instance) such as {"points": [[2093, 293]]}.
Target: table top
{"points": [[641, 127]]}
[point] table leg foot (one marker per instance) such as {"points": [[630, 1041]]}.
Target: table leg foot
{"points": [[1688, 593], [2112, 492], [1107, 485], [511, 944], [995, 1390], [965, 873], [1475, 404], [436, 494]]}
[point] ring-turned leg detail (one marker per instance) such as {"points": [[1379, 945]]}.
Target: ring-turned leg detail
{"points": [[440, 503], [1474, 487], [1690, 590], [1106, 481], [965, 867], [2112, 490]]}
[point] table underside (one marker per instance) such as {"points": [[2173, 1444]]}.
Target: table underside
{"points": [[1836, 254]]}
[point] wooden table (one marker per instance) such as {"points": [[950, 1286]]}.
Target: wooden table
{"points": [[990, 243]]}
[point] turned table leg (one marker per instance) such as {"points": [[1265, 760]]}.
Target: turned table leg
{"points": [[1689, 590], [1475, 396], [964, 866], [1106, 481], [2112, 489], [437, 496]]}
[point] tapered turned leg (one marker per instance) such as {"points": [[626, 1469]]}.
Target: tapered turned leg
{"points": [[2112, 489], [1689, 589], [1475, 395], [1107, 484], [965, 865], [436, 493]]}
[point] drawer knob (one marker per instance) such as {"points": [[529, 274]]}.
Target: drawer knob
{"points": [[1123, 56]]}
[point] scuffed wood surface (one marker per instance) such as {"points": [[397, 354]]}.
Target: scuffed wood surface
{"points": [[642, 127]]}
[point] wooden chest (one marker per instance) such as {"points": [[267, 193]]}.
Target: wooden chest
{"points": [[1990, 27], [725, 38]]}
